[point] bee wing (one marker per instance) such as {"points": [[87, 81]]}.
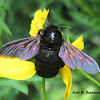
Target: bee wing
{"points": [[75, 58], [23, 48]]}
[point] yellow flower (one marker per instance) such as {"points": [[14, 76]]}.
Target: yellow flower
{"points": [[38, 21], [17, 69]]}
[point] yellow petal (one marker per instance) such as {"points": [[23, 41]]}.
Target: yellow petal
{"points": [[38, 21], [16, 69], [67, 79], [79, 43]]}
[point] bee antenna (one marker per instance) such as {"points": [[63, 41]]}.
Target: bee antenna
{"points": [[65, 26], [46, 20]]}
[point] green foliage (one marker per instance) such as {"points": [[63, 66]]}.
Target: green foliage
{"points": [[34, 79], [22, 87], [84, 18], [4, 27]]}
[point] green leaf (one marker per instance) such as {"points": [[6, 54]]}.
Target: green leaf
{"points": [[22, 87], [4, 27], [0, 43], [34, 79], [68, 40], [66, 36]]}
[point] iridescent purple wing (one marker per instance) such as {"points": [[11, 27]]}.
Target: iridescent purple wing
{"points": [[75, 58], [23, 48]]}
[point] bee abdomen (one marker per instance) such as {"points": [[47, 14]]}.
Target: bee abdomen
{"points": [[48, 63], [45, 72]]}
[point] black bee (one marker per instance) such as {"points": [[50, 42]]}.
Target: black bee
{"points": [[50, 52]]}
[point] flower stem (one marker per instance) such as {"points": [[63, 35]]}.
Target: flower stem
{"points": [[89, 77], [44, 91]]}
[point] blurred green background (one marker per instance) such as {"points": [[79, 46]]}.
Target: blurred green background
{"points": [[84, 18]]}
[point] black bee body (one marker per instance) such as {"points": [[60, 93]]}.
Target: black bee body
{"points": [[51, 52], [47, 61]]}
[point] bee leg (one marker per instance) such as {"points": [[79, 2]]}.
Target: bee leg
{"points": [[39, 32]]}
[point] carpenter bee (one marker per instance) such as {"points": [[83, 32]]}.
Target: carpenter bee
{"points": [[51, 52]]}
